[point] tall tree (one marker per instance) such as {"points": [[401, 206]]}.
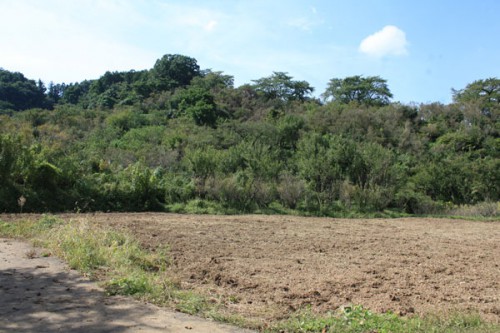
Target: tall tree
{"points": [[371, 90], [174, 70], [19, 93], [484, 92], [281, 86], [55, 91]]}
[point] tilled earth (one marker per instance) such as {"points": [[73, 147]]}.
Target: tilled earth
{"points": [[268, 266]]}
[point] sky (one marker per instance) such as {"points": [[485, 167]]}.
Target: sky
{"points": [[423, 48]]}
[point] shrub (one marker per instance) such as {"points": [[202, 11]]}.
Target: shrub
{"points": [[482, 209], [291, 190]]}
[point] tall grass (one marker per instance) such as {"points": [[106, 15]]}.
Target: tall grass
{"points": [[485, 209]]}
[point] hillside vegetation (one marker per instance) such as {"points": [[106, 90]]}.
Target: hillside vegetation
{"points": [[179, 138]]}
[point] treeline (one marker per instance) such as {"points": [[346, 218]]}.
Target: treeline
{"points": [[178, 138]]}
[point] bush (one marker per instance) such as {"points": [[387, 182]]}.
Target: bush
{"points": [[413, 202], [291, 190], [178, 188], [482, 209]]}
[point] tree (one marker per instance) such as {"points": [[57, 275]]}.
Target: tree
{"points": [[213, 81], [172, 71], [485, 92], [371, 90], [196, 102], [55, 91], [19, 93], [75, 93], [281, 86]]}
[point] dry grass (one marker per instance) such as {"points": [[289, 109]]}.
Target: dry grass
{"points": [[487, 209]]}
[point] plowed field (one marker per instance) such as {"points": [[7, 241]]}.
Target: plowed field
{"points": [[268, 266]]}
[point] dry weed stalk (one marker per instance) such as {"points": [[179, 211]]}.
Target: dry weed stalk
{"points": [[21, 201]]}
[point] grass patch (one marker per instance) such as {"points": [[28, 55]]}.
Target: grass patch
{"points": [[198, 206], [483, 209], [28, 228], [356, 319]]}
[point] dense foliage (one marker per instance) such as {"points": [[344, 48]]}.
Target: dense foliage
{"points": [[19, 93], [176, 138]]}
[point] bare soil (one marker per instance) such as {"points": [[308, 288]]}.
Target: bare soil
{"points": [[269, 266]]}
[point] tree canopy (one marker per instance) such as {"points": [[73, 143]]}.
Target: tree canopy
{"points": [[485, 93], [174, 70], [19, 93], [281, 86], [371, 90]]}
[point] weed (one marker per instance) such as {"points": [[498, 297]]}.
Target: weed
{"points": [[31, 254], [356, 319], [19, 229], [483, 209], [189, 302], [21, 201], [199, 206], [129, 285]]}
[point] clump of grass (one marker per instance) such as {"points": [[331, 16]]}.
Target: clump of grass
{"points": [[113, 257], [356, 319], [198, 206], [129, 285], [482, 209], [31, 254], [28, 228], [190, 302]]}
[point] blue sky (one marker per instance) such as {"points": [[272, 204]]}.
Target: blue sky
{"points": [[422, 48]]}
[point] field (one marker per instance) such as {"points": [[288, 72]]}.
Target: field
{"points": [[265, 267]]}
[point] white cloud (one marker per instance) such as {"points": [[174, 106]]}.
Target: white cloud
{"points": [[390, 41]]}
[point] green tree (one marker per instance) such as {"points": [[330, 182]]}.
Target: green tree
{"points": [[174, 70], [75, 93], [486, 93], [196, 102], [371, 90], [324, 162], [19, 93], [213, 81], [55, 91], [281, 86]]}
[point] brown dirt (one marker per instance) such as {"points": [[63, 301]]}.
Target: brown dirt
{"points": [[271, 265]]}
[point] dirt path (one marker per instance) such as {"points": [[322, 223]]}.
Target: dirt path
{"points": [[40, 294]]}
